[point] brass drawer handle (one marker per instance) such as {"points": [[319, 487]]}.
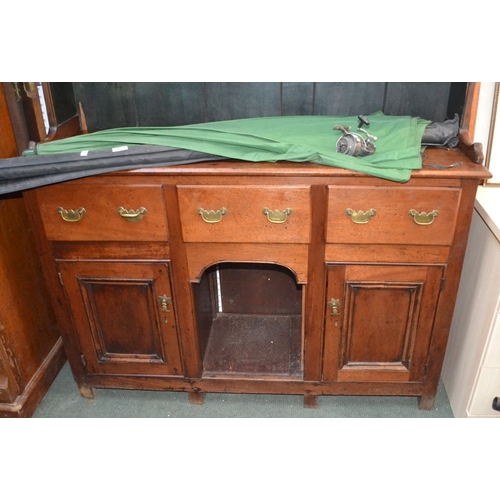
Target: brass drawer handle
{"points": [[132, 215], [277, 216], [71, 215], [361, 217], [422, 218], [212, 216]]}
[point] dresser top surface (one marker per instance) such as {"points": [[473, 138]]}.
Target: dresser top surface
{"points": [[440, 159]]}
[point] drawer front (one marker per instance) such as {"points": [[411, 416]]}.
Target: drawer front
{"points": [[492, 357], [101, 220], [243, 214], [485, 390], [416, 216]]}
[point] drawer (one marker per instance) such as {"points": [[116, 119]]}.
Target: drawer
{"points": [[486, 388], [399, 215], [492, 357], [101, 220], [245, 214]]}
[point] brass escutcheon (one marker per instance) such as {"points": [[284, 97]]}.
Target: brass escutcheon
{"points": [[361, 217], [212, 216], [334, 305], [132, 215], [277, 216], [164, 302], [423, 218], [71, 215]]}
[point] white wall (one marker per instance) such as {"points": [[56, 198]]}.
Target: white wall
{"points": [[483, 123]]}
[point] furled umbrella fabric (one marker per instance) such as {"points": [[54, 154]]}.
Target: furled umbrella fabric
{"points": [[269, 139]]}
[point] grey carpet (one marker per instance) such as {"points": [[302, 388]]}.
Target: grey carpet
{"points": [[64, 401]]}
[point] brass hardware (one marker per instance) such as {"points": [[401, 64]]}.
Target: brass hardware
{"points": [[422, 218], [132, 215], [30, 89], [361, 217], [334, 304], [277, 216], [212, 216], [83, 360], [17, 91], [164, 302], [71, 215]]}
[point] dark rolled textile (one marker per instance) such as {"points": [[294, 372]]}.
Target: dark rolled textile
{"points": [[27, 172], [442, 134]]}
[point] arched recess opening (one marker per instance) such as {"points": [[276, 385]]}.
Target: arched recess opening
{"points": [[249, 319]]}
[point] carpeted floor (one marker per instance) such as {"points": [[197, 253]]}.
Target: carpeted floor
{"points": [[64, 401]]}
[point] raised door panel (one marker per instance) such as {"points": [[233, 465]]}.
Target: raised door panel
{"points": [[124, 316], [379, 321]]}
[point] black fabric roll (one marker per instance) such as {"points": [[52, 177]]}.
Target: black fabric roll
{"points": [[27, 172]]}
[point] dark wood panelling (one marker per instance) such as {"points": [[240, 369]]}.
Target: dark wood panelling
{"points": [[63, 100], [109, 105], [259, 289], [456, 102], [348, 99], [297, 99], [426, 100], [170, 104], [231, 101]]}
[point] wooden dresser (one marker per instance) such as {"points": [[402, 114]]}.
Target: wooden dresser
{"points": [[242, 277]]}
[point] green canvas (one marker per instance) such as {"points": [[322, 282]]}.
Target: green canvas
{"points": [[270, 139]]}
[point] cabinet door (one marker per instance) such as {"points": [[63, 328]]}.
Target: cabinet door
{"points": [[379, 321], [124, 316]]}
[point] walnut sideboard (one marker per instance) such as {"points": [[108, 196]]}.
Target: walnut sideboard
{"points": [[242, 277]]}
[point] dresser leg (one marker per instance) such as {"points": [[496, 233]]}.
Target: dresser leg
{"points": [[86, 391], [426, 402], [310, 401], [196, 398]]}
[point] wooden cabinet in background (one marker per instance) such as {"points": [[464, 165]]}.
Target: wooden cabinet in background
{"points": [[31, 349], [257, 278]]}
